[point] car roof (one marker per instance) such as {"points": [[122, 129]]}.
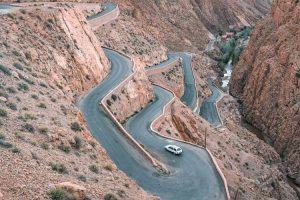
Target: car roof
{"points": [[174, 146]]}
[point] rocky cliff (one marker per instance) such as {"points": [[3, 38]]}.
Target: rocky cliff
{"points": [[132, 95], [217, 15], [267, 80]]}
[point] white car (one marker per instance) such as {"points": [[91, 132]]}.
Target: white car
{"points": [[174, 149]]}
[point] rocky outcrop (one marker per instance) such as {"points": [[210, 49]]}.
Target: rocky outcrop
{"points": [[181, 123], [171, 78], [132, 95], [267, 80]]}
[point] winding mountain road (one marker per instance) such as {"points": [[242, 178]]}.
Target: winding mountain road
{"points": [[189, 96], [193, 175]]}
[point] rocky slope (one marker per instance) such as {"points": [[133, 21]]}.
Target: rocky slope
{"points": [[171, 79], [132, 95], [49, 55], [251, 167], [267, 80], [218, 15]]}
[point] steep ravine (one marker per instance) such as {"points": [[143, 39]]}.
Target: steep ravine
{"points": [[267, 80]]}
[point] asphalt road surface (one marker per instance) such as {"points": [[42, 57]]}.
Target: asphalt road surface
{"points": [[193, 175], [189, 96], [208, 109], [107, 7]]}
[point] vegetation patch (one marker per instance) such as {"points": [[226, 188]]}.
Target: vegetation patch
{"points": [[5, 144], [110, 196], [78, 142], [29, 128], [298, 74], [5, 70], [23, 87], [11, 90], [60, 194], [11, 105], [59, 167], [64, 148], [94, 169], [3, 113], [18, 66], [75, 126]]}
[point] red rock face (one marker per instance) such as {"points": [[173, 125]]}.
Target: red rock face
{"points": [[266, 79]]}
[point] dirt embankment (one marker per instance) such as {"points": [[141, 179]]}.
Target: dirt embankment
{"points": [[48, 57], [267, 80]]}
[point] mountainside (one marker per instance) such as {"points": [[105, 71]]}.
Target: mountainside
{"points": [[267, 80], [49, 56], [218, 15]]}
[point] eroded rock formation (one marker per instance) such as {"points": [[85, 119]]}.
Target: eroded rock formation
{"points": [[267, 80]]}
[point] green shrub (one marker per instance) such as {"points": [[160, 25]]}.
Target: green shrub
{"points": [[28, 55], [11, 105], [44, 146], [108, 167], [23, 86], [42, 105], [60, 194], [58, 167], [16, 150], [64, 148], [76, 127], [16, 53], [5, 70], [42, 84], [221, 65], [18, 66], [11, 90], [2, 136], [3, 94], [82, 178], [298, 74], [108, 102], [27, 80], [94, 169], [3, 113], [43, 131], [5, 144], [78, 142], [34, 96], [114, 97], [29, 128], [110, 197]]}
